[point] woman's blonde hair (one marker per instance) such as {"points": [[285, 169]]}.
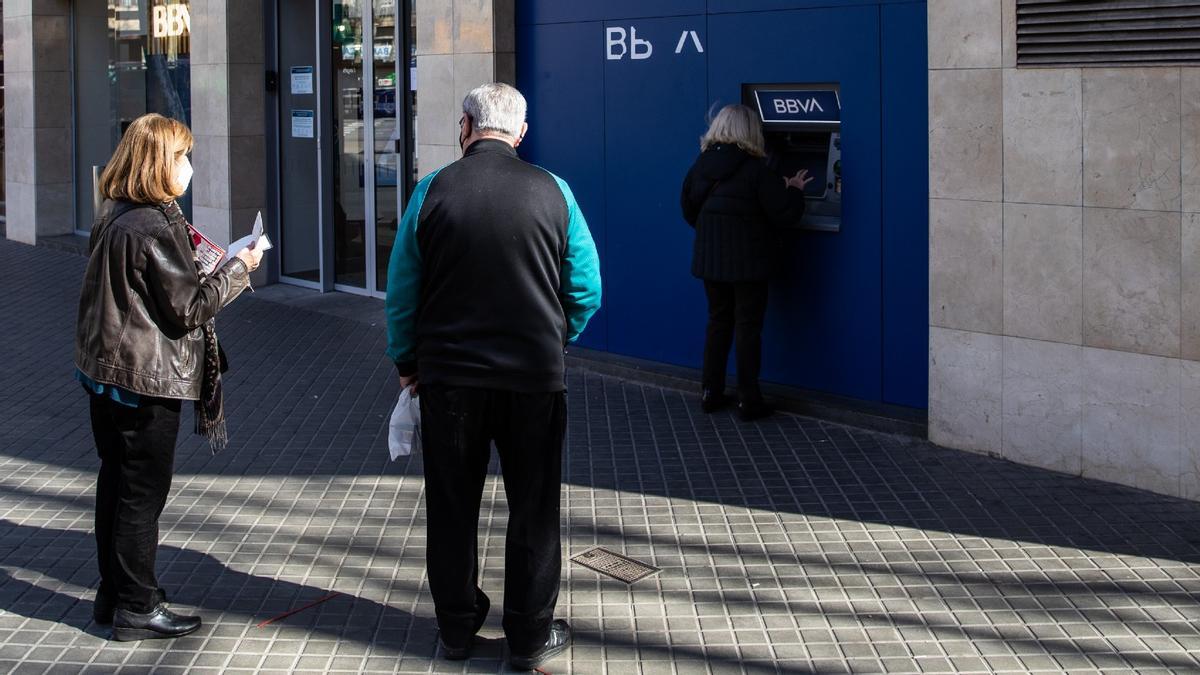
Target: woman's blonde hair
{"points": [[142, 169], [735, 125]]}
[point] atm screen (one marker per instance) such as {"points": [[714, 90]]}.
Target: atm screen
{"points": [[802, 130], [793, 151]]}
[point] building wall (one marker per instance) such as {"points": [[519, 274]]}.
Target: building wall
{"points": [[1064, 257], [847, 314], [228, 107], [460, 44], [37, 119], [227, 115]]}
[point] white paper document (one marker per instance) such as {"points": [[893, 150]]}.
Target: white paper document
{"points": [[210, 256], [255, 240], [302, 79], [303, 124]]}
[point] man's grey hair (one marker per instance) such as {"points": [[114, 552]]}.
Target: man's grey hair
{"points": [[496, 108]]}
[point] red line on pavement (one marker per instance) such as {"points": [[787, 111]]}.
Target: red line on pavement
{"points": [[301, 609]]}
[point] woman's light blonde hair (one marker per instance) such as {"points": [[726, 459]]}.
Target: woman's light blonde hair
{"points": [[142, 169], [735, 125]]}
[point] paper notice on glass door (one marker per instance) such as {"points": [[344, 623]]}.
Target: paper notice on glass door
{"points": [[303, 124], [302, 79]]}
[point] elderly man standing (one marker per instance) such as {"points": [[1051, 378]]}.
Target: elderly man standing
{"points": [[493, 272]]}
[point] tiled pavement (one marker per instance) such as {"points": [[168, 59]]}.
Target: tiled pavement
{"points": [[786, 546]]}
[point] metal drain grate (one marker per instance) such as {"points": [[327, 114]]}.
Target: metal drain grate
{"points": [[614, 565]]}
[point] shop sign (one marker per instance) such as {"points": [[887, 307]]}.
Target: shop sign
{"points": [[621, 43], [171, 20]]}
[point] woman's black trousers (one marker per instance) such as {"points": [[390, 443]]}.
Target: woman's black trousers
{"points": [[735, 315], [137, 456]]}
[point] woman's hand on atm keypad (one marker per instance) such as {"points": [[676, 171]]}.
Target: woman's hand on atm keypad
{"points": [[800, 180]]}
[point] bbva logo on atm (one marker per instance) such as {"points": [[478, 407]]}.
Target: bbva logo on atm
{"points": [[792, 106]]}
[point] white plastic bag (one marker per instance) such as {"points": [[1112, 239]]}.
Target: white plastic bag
{"points": [[404, 431]]}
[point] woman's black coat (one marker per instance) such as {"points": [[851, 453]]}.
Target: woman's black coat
{"points": [[735, 202]]}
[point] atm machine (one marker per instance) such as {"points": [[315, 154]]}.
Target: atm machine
{"points": [[802, 126]]}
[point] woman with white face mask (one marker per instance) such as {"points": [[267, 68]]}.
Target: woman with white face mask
{"points": [[183, 175], [145, 341]]}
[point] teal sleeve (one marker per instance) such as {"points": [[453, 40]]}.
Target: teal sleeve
{"points": [[404, 283], [580, 280]]}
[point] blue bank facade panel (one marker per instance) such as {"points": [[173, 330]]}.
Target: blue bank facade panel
{"points": [[619, 94]]}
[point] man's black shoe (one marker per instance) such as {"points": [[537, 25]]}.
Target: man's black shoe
{"points": [[455, 653], [712, 401], [103, 608], [484, 604], [560, 638], [160, 623], [754, 410]]}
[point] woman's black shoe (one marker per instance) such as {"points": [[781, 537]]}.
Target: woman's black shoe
{"points": [[754, 410], [711, 401], [560, 637], [160, 623], [103, 609]]}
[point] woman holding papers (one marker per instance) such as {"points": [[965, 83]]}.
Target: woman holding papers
{"points": [[145, 341]]}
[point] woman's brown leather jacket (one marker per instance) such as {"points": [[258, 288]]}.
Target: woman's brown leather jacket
{"points": [[143, 302]]}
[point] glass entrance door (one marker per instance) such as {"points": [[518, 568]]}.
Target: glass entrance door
{"points": [[389, 141], [353, 178], [349, 115], [368, 136]]}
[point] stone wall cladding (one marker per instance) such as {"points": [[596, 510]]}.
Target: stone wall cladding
{"points": [[228, 108], [461, 44], [39, 191], [1093, 365]]}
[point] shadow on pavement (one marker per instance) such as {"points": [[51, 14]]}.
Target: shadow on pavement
{"points": [[640, 439], [67, 557]]}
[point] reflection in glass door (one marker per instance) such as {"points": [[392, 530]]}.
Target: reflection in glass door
{"points": [[349, 180], [130, 57], [370, 138], [388, 117]]}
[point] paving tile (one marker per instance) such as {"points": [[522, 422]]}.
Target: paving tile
{"points": [[791, 545]]}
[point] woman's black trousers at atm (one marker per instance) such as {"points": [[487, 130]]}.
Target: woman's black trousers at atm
{"points": [[735, 315]]}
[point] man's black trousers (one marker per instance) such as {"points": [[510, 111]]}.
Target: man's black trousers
{"points": [[458, 426], [734, 309], [137, 460]]}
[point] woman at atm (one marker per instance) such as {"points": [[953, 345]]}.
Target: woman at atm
{"points": [[735, 202]]}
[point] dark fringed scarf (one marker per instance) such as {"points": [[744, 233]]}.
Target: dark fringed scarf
{"points": [[210, 408]]}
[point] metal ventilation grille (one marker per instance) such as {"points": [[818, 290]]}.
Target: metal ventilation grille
{"points": [[1107, 32]]}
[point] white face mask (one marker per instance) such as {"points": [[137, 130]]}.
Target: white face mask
{"points": [[183, 175]]}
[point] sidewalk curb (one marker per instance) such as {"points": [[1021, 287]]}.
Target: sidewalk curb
{"points": [[876, 417]]}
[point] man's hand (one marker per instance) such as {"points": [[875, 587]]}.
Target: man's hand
{"points": [[406, 382], [800, 180], [251, 256]]}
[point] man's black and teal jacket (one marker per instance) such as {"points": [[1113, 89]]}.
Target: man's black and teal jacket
{"points": [[493, 272]]}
